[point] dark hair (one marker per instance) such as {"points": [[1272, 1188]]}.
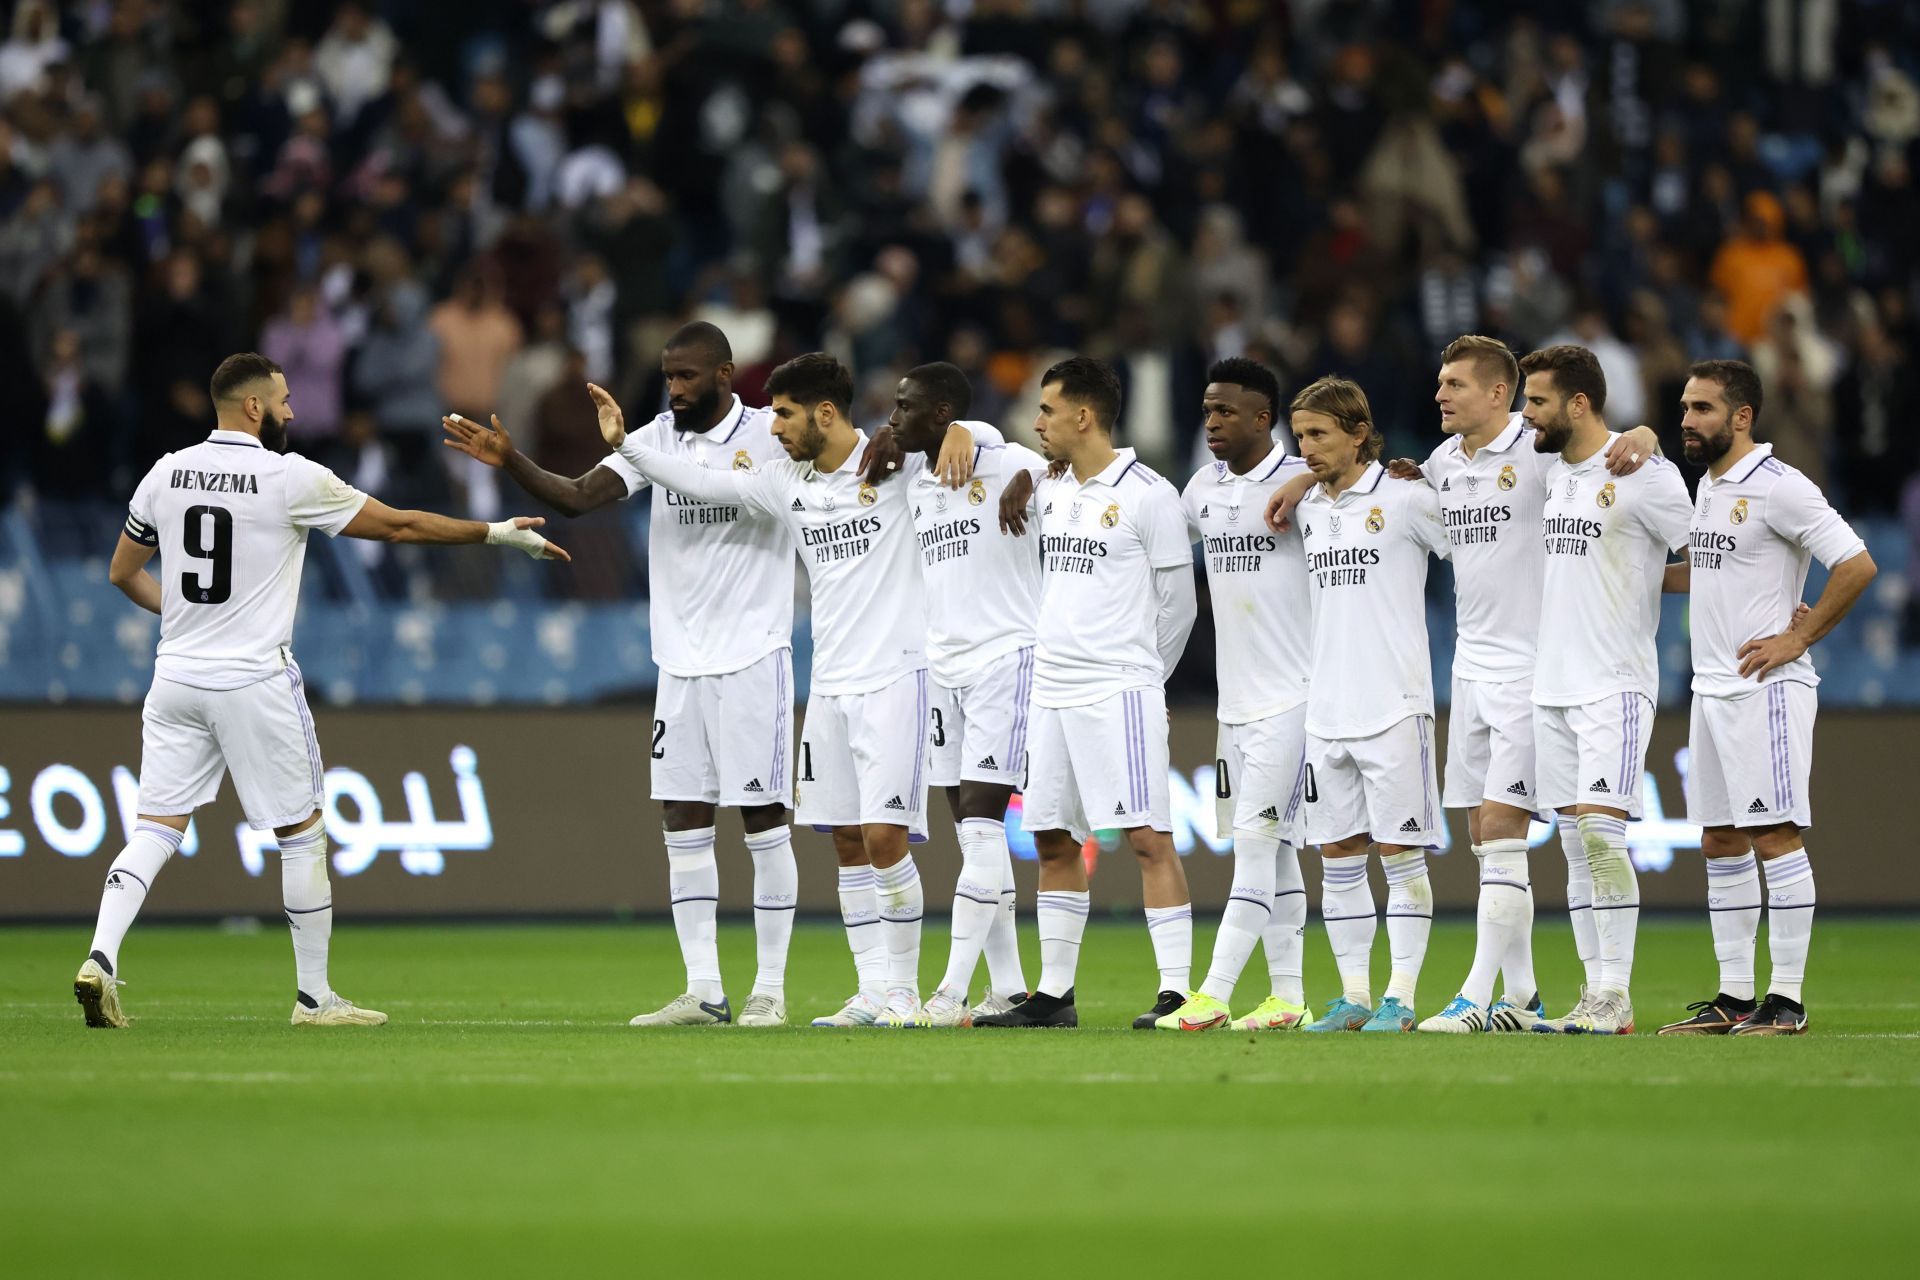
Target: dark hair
{"points": [[1576, 372], [1739, 384], [238, 372], [1090, 382], [809, 379], [1491, 359], [706, 337], [946, 384], [1251, 375], [1346, 404]]}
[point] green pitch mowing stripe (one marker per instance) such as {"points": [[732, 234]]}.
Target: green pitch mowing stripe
{"points": [[508, 1122]]}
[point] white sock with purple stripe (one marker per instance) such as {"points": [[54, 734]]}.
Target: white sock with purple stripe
{"points": [[1171, 929], [860, 913], [693, 887], [776, 892], [1790, 904], [128, 881], [902, 903], [1409, 920], [1062, 914], [1733, 909], [1616, 897], [1249, 907], [1586, 943], [1004, 971], [1505, 914], [1346, 906], [1285, 937], [308, 897], [976, 899]]}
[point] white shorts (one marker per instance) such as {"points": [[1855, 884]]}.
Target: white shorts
{"points": [[1595, 753], [725, 739], [261, 733], [1384, 786], [979, 733], [1490, 744], [863, 758], [1749, 758], [1101, 767], [1260, 777]]}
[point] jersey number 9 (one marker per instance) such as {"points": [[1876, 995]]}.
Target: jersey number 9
{"points": [[218, 586]]}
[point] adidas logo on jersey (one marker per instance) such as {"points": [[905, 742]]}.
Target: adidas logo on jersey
{"points": [[1756, 807], [1409, 827], [1204, 510], [896, 803], [1517, 789], [754, 787], [1119, 809], [1271, 813], [988, 763], [1599, 786], [1446, 486], [797, 505]]}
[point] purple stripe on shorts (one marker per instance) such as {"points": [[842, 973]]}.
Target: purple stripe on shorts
{"points": [[1130, 700], [1022, 689], [1140, 751], [920, 738], [1626, 736], [306, 723], [1299, 787], [1426, 775]]}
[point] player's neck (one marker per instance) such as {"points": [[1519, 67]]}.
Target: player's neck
{"points": [[841, 440], [1739, 449], [1337, 485], [720, 414], [1249, 458], [1589, 438], [932, 452], [1094, 459], [242, 426], [1472, 442]]}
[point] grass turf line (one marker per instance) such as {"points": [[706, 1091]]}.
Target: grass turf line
{"points": [[508, 1122]]}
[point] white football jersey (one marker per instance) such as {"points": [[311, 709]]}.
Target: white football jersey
{"points": [[983, 588], [1262, 618], [857, 542], [230, 519], [1367, 577], [1754, 531], [1100, 543], [720, 586], [1490, 504], [1606, 539]]}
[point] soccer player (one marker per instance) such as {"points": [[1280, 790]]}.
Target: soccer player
{"points": [[230, 517], [1117, 603], [1756, 524], [720, 620], [1597, 675], [1369, 754], [1262, 638], [983, 603], [1491, 483], [863, 748]]}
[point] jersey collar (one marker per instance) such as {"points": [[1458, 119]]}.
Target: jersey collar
{"points": [[240, 438], [852, 464], [728, 425], [1748, 465], [1123, 463], [1505, 440], [1261, 470], [1369, 481]]}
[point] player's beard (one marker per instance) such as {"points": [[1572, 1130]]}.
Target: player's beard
{"points": [[812, 442], [1704, 450], [1553, 436], [698, 415], [273, 432]]}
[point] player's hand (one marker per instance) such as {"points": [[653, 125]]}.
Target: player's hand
{"points": [[883, 457], [1056, 468], [613, 423], [1013, 502], [1630, 452], [519, 532], [1757, 657], [955, 464], [1404, 469], [469, 437], [1800, 612]]}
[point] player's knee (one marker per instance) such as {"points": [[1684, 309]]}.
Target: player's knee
{"points": [[1722, 842], [981, 800], [687, 815], [1151, 846], [849, 846], [762, 817], [1055, 846], [1772, 842]]}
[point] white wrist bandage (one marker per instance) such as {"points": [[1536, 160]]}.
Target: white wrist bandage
{"points": [[502, 533]]}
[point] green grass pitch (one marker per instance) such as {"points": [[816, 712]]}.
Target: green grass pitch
{"points": [[507, 1122]]}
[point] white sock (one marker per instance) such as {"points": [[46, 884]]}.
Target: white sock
{"points": [[1733, 909], [1586, 943], [1062, 914], [1171, 929], [1409, 919], [1789, 921], [1616, 897], [1249, 907], [1505, 912], [1004, 972], [976, 899], [693, 886], [776, 891], [860, 913], [308, 897], [1346, 906], [902, 903], [1285, 937], [1516, 965], [128, 880]]}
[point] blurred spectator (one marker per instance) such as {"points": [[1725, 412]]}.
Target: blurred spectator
{"points": [[354, 60], [396, 374], [1874, 409], [92, 300], [179, 336], [71, 451], [86, 156], [33, 47], [477, 336], [1756, 268], [33, 240], [309, 345]]}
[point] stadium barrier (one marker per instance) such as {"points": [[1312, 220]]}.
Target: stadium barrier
{"points": [[477, 812]]}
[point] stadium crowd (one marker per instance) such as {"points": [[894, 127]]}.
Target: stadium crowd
{"points": [[418, 207]]}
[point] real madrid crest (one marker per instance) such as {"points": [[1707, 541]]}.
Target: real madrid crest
{"points": [[742, 460], [1507, 479], [1605, 496], [1376, 520], [1111, 516], [1739, 513], [977, 492], [868, 496]]}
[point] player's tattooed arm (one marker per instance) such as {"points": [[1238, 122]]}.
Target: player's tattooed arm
{"points": [[1630, 452], [378, 522], [570, 497], [1280, 506], [128, 571]]}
